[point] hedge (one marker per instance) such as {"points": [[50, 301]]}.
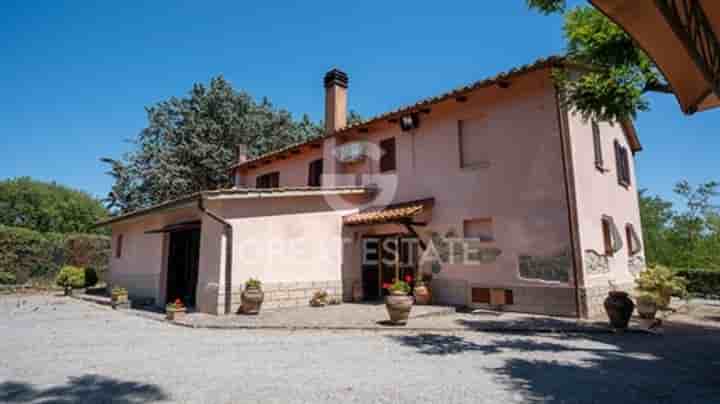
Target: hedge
{"points": [[27, 255], [702, 282]]}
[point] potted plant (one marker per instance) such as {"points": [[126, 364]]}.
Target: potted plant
{"points": [[398, 303], [319, 299], [421, 291], [647, 305], [661, 282], [252, 297], [619, 307], [70, 278], [175, 311], [119, 297]]}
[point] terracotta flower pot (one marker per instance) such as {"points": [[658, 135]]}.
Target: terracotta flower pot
{"points": [[119, 298], [252, 299], [357, 292], [619, 308], [174, 314], [422, 294], [398, 305], [646, 307]]}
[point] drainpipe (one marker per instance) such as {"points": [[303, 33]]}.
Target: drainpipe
{"points": [[571, 198], [228, 252]]}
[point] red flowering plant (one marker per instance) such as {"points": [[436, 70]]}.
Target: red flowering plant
{"points": [[176, 305]]}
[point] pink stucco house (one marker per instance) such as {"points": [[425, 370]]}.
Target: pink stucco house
{"points": [[508, 199]]}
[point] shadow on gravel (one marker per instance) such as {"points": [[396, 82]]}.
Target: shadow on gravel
{"points": [[682, 366], [83, 389]]}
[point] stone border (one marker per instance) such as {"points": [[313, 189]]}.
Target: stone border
{"points": [[586, 329]]}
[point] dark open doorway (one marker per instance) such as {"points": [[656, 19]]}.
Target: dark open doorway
{"points": [[386, 259], [183, 261]]}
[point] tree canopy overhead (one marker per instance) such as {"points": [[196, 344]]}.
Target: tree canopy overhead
{"points": [[620, 73], [47, 207], [190, 143]]}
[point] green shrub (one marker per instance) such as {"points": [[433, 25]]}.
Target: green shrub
{"points": [[661, 282], [702, 282], [7, 278], [71, 277], [253, 283], [400, 286], [32, 256]]}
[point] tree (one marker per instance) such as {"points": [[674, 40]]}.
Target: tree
{"points": [[692, 229], [47, 207], [689, 238], [618, 73], [190, 143], [656, 215]]}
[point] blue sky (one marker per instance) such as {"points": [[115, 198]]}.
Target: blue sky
{"points": [[75, 77]]}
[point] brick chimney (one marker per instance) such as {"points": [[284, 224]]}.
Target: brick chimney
{"points": [[336, 84], [242, 153], [242, 156]]}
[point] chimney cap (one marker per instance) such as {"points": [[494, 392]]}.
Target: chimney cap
{"points": [[336, 77]]}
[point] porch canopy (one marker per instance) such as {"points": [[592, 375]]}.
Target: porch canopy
{"points": [[402, 213], [681, 37]]}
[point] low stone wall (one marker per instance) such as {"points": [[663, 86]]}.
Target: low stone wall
{"points": [[287, 294], [592, 299]]}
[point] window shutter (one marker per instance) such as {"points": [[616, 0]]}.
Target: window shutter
{"points": [[387, 159], [269, 180], [597, 144], [315, 173]]}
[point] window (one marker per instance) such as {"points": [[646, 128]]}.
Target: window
{"points": [[481, 229], [269, 180], [481, 295], [623, 164], [315, 171], [633, 240], [611, 236], [387, 159], [474, 143], [597, 145], [118, 246]]}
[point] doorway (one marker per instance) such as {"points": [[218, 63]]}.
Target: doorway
{"points": [[386, 259], [182, 268]]}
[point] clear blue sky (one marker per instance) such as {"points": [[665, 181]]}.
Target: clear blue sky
{"points": [[75, 76]]}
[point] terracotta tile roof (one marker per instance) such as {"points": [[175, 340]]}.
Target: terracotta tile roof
{"points": [[389, 214], [542, 63]]}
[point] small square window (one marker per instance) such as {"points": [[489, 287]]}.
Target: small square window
{"points": [[481, 229]]}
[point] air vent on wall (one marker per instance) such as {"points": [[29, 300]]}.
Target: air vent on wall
{"points": [[409, 122]]}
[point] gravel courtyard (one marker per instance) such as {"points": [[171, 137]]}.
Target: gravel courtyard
{"points": [[62, 350]]}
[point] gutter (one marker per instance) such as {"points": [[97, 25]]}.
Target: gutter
{"points": [[228, 251]]}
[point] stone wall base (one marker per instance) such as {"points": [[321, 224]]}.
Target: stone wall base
{"points": [[280, 295], [537, 300], [592, 298]]}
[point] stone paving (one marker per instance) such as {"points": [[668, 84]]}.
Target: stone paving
{"points": [[68, 351]]}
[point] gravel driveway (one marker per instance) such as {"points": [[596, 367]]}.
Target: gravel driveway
{"points": [[62, 350]]}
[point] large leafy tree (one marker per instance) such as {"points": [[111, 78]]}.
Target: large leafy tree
{"points": [[48, 207], [190, 142], [688, 238], [619, 74]]}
